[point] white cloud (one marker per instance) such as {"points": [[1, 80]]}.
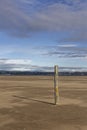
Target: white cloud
{"points": [[67, 45], [15, 64], [21, 65], [16, 61]]}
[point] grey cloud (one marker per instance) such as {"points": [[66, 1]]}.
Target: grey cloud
{"points": [[21, 22], [30, 2], [75, 2], [76, 36], [67, 52], [12, 19]]}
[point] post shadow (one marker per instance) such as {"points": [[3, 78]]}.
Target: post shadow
{"points": [[32, 99]]}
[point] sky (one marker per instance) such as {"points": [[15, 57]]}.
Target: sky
{"points": [[43, 33]]}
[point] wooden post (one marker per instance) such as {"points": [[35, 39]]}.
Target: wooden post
{"points": [[56, 91]]}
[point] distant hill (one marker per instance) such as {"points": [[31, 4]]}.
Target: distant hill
{"points": [[76, 73]]}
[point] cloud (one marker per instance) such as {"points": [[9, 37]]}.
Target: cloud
{"points": [[72, 2], [76, 36], [67, 51], [15, 61], [73, 69], [67, 45], [19, 19], [15, 64], [21, 65], [25, 65], [29, 2]]}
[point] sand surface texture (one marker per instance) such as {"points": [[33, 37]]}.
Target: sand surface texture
{"points": [[27, 103]]}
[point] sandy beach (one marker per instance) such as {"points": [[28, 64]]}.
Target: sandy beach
{"points": [[27, 103]]}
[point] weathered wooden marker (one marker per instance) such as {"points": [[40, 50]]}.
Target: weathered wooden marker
{"points": [[56, 91]]}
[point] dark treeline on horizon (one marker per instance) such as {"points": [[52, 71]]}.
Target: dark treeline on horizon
{"points": [[22, 73]]}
